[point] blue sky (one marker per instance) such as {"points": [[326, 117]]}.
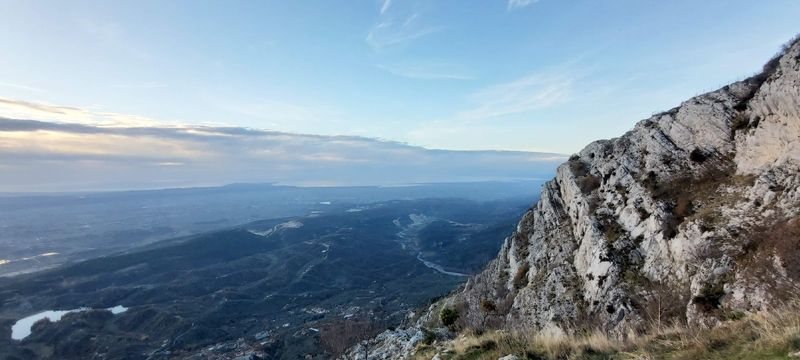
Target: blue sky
{"points": [[541, 75]]}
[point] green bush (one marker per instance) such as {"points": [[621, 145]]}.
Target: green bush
{"points": [[429, 337], [794, 343], [710, 296], [448, 316]]}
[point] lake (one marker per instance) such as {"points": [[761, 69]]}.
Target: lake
{"points": [[22, 328]]}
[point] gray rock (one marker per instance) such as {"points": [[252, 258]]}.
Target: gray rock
{"points": [[681, 217], [665, 216]]}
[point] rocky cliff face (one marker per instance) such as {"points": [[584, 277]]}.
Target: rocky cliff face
{"points": [[692, 216]]}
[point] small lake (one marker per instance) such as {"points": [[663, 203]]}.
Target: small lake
{"points": [[22, 328]]}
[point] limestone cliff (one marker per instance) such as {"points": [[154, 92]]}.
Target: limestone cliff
{"points": [[692, 216]]}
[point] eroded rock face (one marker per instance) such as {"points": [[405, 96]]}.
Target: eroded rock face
{"points": [[673, 220], [691, 216], [676, 219]]}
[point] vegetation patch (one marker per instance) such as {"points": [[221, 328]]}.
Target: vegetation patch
{"points": [[448, 316], [710, 297], [772, 65], [698, 156], [776, 237], [588, 183], [782, 238], [759, 336], [735, 315], [521, 245], [612, 230], [739, 122], [521, 277], [691, 197], [585, 181], [665, 303], [428, 337], [488, 308]]}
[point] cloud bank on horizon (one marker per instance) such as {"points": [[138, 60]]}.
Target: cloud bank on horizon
{"points": [[57, 148]]}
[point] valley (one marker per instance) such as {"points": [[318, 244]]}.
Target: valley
{"points": [[270, 287], [41, 231]]}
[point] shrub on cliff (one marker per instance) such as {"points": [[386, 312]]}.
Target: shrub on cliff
{"points": [[448, 316]]}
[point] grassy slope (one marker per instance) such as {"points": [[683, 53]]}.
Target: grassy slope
{"points": [[774, 335]]}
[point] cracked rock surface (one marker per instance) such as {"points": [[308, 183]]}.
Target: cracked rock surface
{"points": [[691, 216]]}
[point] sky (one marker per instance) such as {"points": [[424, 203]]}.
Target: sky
{"points": [[535, 76]]}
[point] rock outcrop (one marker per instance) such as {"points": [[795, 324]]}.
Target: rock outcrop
{"points": [[692, 216]]}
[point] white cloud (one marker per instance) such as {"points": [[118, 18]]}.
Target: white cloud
{"points": [[516, 4]]}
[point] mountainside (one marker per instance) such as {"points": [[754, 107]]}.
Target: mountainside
{"points": [[692, 217]]}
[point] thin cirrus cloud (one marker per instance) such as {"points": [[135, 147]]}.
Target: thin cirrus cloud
{"points": [[141, 85], [529, 93], [113, 36], [277, 114], [428, 70], [385, 6], [390, 33], [516, 4], [22, 109], [97, 151], [20, 87]]}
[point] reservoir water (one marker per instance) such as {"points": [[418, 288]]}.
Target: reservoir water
{"points": [[22, 328]]}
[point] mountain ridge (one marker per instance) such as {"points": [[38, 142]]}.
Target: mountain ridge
{"points": [[691, 217]]}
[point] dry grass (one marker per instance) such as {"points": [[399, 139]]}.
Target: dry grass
{"points": [[766, 335]]}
